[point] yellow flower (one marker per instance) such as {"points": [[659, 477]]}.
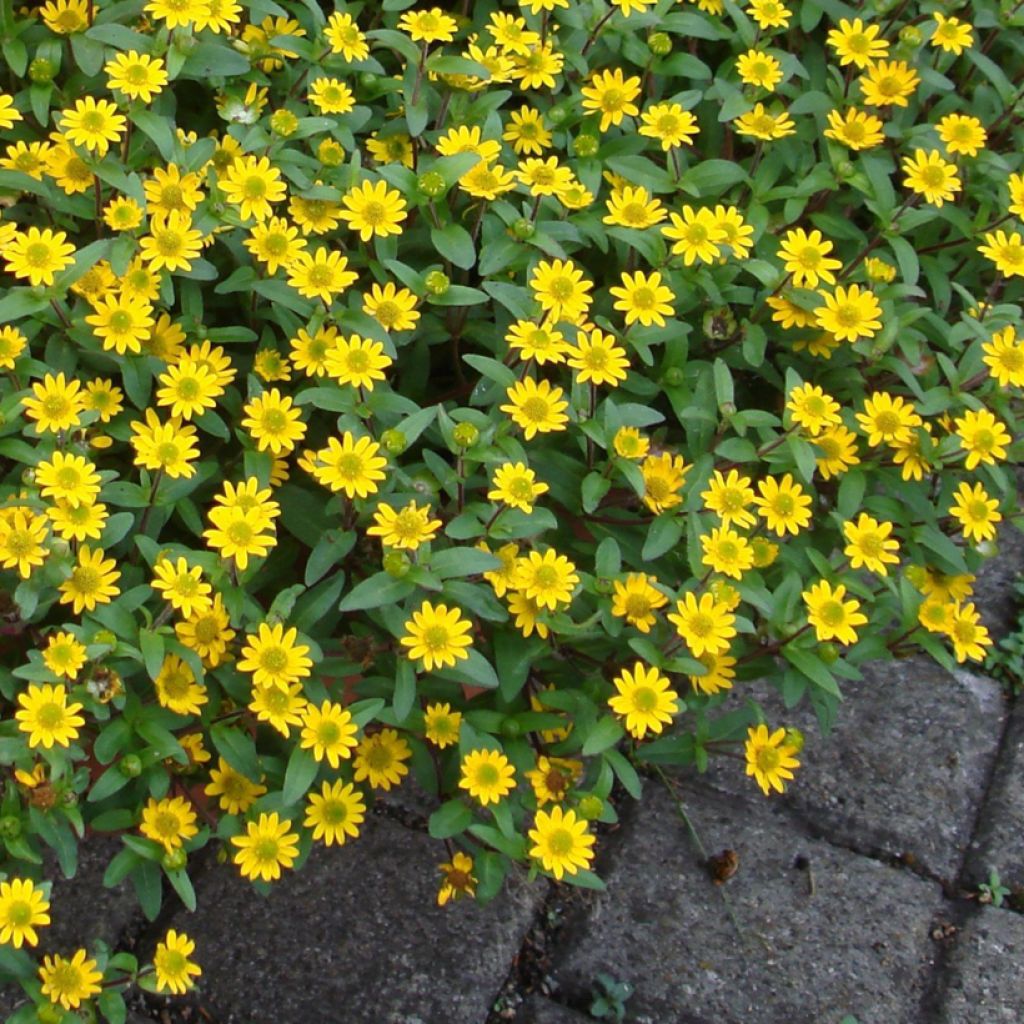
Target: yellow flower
{"points": [[178, 13], [345, 38], [170, 822], [436, 635], [328, 730], [393, 308], [831, 616], [637, 599], [177, 688], [174, 971], [805, 256], [266, 848], [487, 776], [706, 625], [761, 124], [888, 83], [273, 422], [718, 675], [321, 275], [850, 313], [273, 657], [562, 843], [951, 34], [235, 793], [357, 362], [331, 96], [760, 69], [253, 184], [350, 465], [373, 209], [643, 297], [172, 242], [92, 581], [432, 26], [335, 813], [66, 17], [856, 129], [1006, 251], [525, 128], [695, 235], [69, 982], [22, 541], [169, 447], [631, 207], [769, 13], [727, 552], [170, 190], [857, 43], [930, 176], [962, 134], [812, 409], [887, 419], [870, 544], [441, 725], [612, 95], [969, 636], [536, 408], [93, 123], [770, 758], [561, 290], [663, 476], [548, 579], [458, 879], [380, 759], [728, 496], [976, 512], [516, 485], [1004, 356], [983, 437], [597, 359], [783, 505], [38, 256], [137, 75], [12, 344], [45, 714], [23, 908], [64, 656], [644, 698]]}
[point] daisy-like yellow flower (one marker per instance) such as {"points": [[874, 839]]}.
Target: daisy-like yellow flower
{"points": [[870, 544], [976, 512], [9, 113], [47, 717], [38, 255], [64, 655], [855, 129], [273, 657], [275, 243], [928, 175], [727, 552], [540, 342], [783, 505], [515, 484], [612, 95], [169, 447], [889, 83], [805, 256], [983, 437], [1004, 357], [22, 541], [137, 75], [175, 973], [69, 478], [177, 688], [643, 298], [729, 496], [328, 730], [393, 308], [951, 34], [969, 636], [553, 777], [850, 313], [525, 129], [350, 465], [760, 69], [636, 599], [536, 408], [437, 636], [961, 134], [331, 96], [441, 725], [597, 359], [670, 124], [178, 13], [831, 616], [121, 323], [487, 775], [92, 581], [544, 177], [23, 909], [323, 274], [345, 37], [267, 846], [629, 443], [457, 877], [380, 759], [663, 476], [769, 13], [182, 586], [12, 344], [633, 207], [253, 184], [739, 234], [373, 209], [357, 362], [718, 675], [122, 214], [431, 26], [857, 43], [335, 813], [547, 579], [274, 422], [1006, 251], [812, 409], [172, 243], [68, 982], [706, 625], [760, 123], [562, 843], [170, 822], [695, 235], [93, 124], [235, 793], [770, 759], [887, 419], [405, 528], [645, 699], [561, 290]]}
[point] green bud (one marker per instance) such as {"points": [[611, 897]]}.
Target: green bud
{"points": [[130, 766], [728, 409], [394, 442], [425, 484], [437, 282], [41, 70], [911, 35], [10, 826], [557, 115], [844, 168], [69, 798], [586, 145], [222, 855], [660, 44], [368, 80], [794, 739], [828, 653], [174, 860], [49, 1013], [396, 564], [591, 807], [283, 123], [104, 636], [511, 729], [673, 377], [431, 184], [986, 548], [522, 229], [603, 585], [466, 435]]}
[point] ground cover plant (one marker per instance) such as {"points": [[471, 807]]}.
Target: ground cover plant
{"points": [[485, 397]]}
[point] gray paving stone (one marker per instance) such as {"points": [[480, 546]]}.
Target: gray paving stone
{"points": [[999, 840], [984, 980], [81, 910], [538, 1010], [858, 944], [355, 937], [905, 766], [994, 593]]}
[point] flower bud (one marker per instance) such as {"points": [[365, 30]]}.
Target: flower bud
{"points": [[174, 860], [673, 377], [394, 442], [41, 71], [283, 123], [660, 44], [130, 766], [437, 282], [431, 184], [396, 564], [511, 729], [104, 636], [603, 585], [466, 435], [10, 826], [586, 145], [557, 115], [911, 36], [522, 229], [794, 739], [591, 807], [330, 153], [49, 1013], [828, 653]]}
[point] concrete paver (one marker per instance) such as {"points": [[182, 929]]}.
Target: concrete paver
{"points": [[825, 932]]}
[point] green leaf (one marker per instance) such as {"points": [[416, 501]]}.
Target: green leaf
{"points": [[299, 775], [474, 670], [625, 773], [19, 303], [605, 734], [811, 666], [88, 54], [182, 885], [454, 244], [450, 819], [405, 689], [375, 592], [458, 562], [237, 748], [152, 646], [112, 780], [663, 535], [206, 59]]}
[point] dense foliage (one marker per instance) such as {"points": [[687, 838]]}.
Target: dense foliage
{"points": [[475, 399]]}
